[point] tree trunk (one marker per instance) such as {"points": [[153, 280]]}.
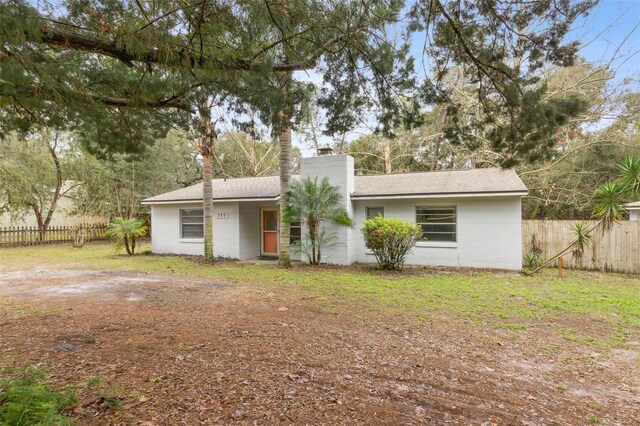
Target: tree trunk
{"points": [[442, 121], [387, 154], [58, 190], [126, 245], [313, 237], [206, 150], [44, 220], [40, 222], [284, 139]]}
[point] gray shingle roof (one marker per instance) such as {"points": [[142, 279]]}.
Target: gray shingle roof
{"points": [[446, 183], [226, 189]]}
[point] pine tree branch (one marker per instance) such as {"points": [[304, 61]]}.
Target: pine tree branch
{"points": [[173, 102], [74, 41]]}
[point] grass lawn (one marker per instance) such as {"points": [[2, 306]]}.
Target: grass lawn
{"points": [[500, 299], [168, 340]]}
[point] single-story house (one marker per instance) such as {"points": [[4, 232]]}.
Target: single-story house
{"points": [[470, 218], [634, 210]]}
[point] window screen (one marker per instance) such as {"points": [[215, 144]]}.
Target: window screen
{"points": [[192, 223], [373, 212], [438, 223]]}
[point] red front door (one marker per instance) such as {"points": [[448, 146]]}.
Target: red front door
{"points": [[270, 232]]}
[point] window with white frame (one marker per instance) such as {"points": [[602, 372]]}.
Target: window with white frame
{"points": [[373, 212], [191, 223], [438, 223]]}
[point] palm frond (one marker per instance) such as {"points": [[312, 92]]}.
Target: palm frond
{"points": [[629, 179], [609, 200]]}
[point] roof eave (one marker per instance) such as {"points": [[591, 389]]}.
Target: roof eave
{"points": [[440, 195], [215, 200]]}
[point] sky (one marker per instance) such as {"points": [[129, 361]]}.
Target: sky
{"points": [[611, 30], [609, 35]]}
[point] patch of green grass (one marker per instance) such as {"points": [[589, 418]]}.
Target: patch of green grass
{"points": [[94, 381], [514, 327], [493, 297], [27, 398], [20, 310], [594, 420]]}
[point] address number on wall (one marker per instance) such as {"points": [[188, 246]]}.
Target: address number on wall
{"points": [[222, 215]]}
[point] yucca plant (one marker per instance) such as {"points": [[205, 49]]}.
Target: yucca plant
{"points": [[125, 232], [531, 261], [629, 178], [582, 241], [609, 200]]}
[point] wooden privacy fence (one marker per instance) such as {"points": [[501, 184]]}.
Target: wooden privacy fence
{"points": [[16, 235], [616, 249]]}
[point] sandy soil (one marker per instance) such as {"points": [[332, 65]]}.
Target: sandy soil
{"points": [[185, 351]]}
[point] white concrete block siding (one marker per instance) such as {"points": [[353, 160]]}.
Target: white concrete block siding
{"points": [[236, 237], [488, 232], [165, 230]]}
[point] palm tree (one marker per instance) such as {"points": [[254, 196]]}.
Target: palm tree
{"points": [[312, 204], [125, 232], [206, 145], [284, 139]]}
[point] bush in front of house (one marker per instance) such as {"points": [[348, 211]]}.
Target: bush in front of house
{"points": [[314, 203], [390, 239]]}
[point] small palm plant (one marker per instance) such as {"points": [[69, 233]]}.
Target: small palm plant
{"points": [[312, 203], [125, 232]]}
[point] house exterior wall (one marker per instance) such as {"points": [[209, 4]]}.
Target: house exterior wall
{"points": [[226, 229], [634, 214], [339, 170], [236, 230], [165, 230], [488, 232], [249, 230]]}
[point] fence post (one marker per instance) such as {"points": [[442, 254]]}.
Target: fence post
{"points": [[561, 267]]}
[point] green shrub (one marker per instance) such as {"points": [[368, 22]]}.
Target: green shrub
{"points": [[27, 399], [390, 239]]}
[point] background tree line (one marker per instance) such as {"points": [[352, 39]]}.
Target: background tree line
{"points": [[562, 174], [118, 76], [39, 168]]}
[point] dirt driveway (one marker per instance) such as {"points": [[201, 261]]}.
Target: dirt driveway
{"points": [[151, 349]]}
